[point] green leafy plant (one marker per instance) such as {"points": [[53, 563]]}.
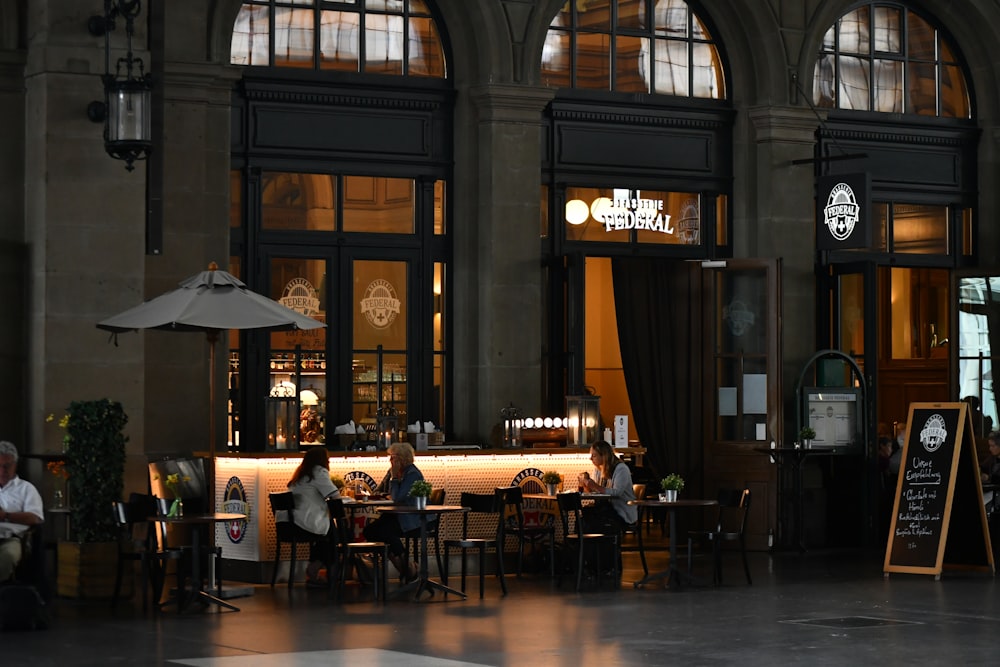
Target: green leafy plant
{"points": [[421, 488], [807, 433], [96, 466], [551, 477], [672, 482]]}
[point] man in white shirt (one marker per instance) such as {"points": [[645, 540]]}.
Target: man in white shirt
{"points": [[20, 508]]}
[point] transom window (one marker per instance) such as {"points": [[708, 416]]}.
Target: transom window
{"points": [[397, 37], [633, 46], [884, 57]]}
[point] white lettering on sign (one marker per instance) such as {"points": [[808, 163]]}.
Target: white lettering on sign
{"points": [[628, 212]]}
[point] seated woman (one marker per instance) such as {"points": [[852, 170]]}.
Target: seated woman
{"points": [[611, 477], [391, 528], [989, 469], [311, 486]]}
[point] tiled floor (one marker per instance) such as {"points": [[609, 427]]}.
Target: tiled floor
{"points": [[821, 608]]}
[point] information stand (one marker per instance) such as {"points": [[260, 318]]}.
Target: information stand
{"points": [[938, 517]]}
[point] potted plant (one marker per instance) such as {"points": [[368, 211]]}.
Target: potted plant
{"points": [[95, 466], [420, 490], [671, 485], [551, 479], [806, 435]]}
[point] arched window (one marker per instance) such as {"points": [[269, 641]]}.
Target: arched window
{"points": [[396, 37], [885, 57], [633, 46]]}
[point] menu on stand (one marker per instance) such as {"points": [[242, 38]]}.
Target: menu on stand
{"points": [[938, 517]]}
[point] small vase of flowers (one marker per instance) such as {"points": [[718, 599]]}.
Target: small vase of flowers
{"points": [[671, 485], [551, 479], [421, 490]]}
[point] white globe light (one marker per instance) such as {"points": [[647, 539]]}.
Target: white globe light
{"points": [[529, 422], [577, 211], [548, 422], [557, 422], [601, 206]]}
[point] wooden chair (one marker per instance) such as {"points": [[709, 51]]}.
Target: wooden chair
{"points": [[571, 507], [347, 551], [730, 526], [512, 498], [144, 542], [289, 533], [483, 504]]}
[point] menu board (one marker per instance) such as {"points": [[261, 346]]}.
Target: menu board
{"points": [[938, 517]]}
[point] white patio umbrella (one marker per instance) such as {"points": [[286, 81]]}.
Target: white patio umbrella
{"points": [[211, 301]]}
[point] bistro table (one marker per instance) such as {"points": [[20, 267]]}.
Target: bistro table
{"points": [[199, 523], [423, 582], [672, 574], [791, 461]]}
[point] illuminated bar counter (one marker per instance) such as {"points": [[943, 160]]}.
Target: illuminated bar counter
{"points": [[243, 482]]}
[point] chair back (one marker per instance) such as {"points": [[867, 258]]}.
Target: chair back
{"points": [[436, 497], [639, 491], [341, 528], [734, 506], [510, 497], [283, 502], [478, 503], [570, 504]]}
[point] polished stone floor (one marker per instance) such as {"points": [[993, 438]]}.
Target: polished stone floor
{"points": [[818, 608]]}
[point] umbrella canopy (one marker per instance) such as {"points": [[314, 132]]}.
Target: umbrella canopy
{"points": [[212, 300]]}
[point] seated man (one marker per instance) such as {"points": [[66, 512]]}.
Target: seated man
{"points": [[20, 508]]}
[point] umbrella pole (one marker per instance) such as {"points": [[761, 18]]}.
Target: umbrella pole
{"points": [[213, 337]]}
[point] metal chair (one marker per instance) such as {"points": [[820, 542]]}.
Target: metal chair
{"points": [[639, 491], [481, 504], [730, 526], [144, 542], [347, 551], [511, 499], [287, 532], [571, 506]]}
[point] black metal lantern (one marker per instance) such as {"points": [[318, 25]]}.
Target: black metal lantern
{"points": [[511, 427], [127, 92]]}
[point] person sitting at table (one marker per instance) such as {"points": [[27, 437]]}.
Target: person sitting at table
{"points": [[311, 486], [20, 508], [611, 477], [390, 528]]}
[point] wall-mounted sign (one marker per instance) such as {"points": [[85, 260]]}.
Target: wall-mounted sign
{"points": [[843, 212], [627, 210]]}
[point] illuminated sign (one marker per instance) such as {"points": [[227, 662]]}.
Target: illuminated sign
{"points": [[842, 217]]}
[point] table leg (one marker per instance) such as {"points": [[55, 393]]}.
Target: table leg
{"points": [[198, 592], [424, 582]]}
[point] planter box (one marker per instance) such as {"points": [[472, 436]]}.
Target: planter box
{"points": [[87, 571]]}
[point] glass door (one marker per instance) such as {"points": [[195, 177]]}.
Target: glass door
{"points": [[978, 323]]}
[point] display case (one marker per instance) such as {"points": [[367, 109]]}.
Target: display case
{"points": [[369, 393], [834, 414]]}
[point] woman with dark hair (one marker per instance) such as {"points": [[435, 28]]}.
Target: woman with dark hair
{"points": [[611, 477], [311, 486]]}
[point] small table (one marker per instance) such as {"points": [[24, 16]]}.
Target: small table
{"points": [[423, 581], [673, 573], [198, 522], [795, 458]]}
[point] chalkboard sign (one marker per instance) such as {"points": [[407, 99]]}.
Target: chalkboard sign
{"points": [[938, 518]]}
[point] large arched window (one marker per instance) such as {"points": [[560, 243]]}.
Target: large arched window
{"points": [[885, 57], [396, 37], [633, 46]]}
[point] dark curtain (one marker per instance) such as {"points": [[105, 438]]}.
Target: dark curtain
{"points": [[659, 331]]}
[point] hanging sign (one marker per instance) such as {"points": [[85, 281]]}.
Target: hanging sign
{"points": [[843, 212], [938, 518]]}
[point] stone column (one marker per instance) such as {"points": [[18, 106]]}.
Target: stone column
{"points": [[498, 300]]}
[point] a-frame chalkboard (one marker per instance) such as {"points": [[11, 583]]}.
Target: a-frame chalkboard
{"points": [[938, 518]]}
